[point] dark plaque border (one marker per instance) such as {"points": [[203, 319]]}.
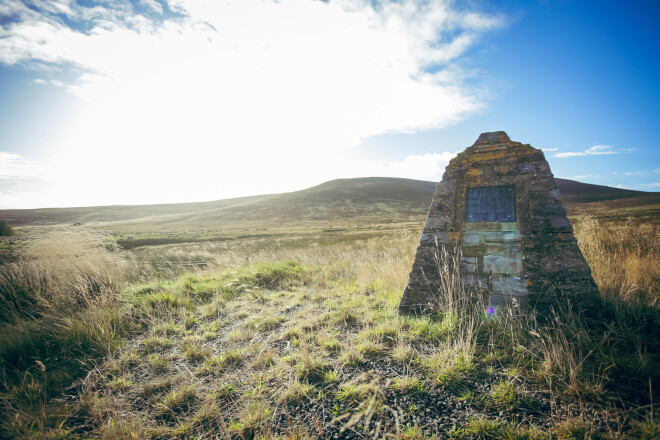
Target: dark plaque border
{"points": [[490, 204]]}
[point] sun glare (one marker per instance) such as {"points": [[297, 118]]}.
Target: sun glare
{"points": [[232, 99]]}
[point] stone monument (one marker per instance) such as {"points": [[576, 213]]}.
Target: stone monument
{"points": [[497, 211]]}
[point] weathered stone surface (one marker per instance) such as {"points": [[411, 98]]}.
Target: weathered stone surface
{"points": [[503, 265], [531, 261], [500, 236], [511, 286], [471, 238]]}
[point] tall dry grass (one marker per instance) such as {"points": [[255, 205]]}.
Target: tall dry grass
{"points": [[624, 258], [385, 254], [625, 263], [555, 347], [59, 311], [570, 353], [62, 272]]}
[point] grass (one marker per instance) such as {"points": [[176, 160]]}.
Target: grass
{"points": [[409, 384], [196, 352], [5, 229], [624, 259], [507, 394], [120, 383], [60, 313], [176, 401], [484, 429], [305, 340], [295, 391], [449, 366], [158, 363], [156, 343]]}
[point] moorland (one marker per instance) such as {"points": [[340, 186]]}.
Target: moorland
{"points": [[276, 316]]}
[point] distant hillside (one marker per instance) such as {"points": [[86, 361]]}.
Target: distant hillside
{"points": [[370, 200], [608, 202], [577, 192], [360, 200], [390, 198], [113, 213]]}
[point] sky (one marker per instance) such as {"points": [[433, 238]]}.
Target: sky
{"points": [[166, 101]]}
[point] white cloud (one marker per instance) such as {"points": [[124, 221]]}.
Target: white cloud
{"points": [[14, 165], [650, 185], [242, 96], [584, 176], [633, 173], [153, 4], [593, 151], [621, 186], [52, 82], [23, 182], [550, 149]]}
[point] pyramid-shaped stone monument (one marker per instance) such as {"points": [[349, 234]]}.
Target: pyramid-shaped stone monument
{"points": [[498, 212]]}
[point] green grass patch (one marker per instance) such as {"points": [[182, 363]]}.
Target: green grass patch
{"points": [[156, 343], [177, 401], [409, 384], [197, 352], [447, 366], [120, 383], [312, 368], [507, 394], [481, 428]]}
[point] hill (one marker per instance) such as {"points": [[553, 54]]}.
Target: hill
{"points": [[608, 202], [578, 192], [355, 201], [112, 213]]}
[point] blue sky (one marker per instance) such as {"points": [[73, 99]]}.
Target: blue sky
{"points": [[152, 101]]}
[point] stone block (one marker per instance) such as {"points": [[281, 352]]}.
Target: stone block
{"points": [[525, 168], [490, 226], [500, 237], [555, 194], [469, 264], [550, 209], [511, 286], [520, 302], [437, 223], [470, 268], [514, 252], [431, 238], [471, 238], [474, 281], [502, 265], [561, 223]]}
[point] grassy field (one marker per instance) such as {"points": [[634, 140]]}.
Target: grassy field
{"points": [[294, 333]]}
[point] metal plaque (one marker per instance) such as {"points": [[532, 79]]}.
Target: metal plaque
{"points": [[491, 204]]}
